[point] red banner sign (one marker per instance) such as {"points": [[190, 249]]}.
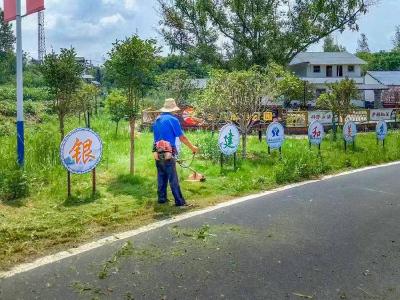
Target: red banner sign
{"points": [[33, 6], [10, 10]]}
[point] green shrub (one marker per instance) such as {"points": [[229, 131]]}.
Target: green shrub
{"points": [[209, 146], [13, 185]]}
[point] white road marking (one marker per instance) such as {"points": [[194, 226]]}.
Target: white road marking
{"points": [[129, 234]]}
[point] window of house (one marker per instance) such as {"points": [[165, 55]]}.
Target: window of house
{"points": [[350, 68], [317, 69]]}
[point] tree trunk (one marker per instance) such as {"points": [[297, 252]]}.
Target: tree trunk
{"points": [[86, 118], [95, 105], [61, 120], [116, 129], [132, 163], [244, 144]]}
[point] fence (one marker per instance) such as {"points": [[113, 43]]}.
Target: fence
{"points": [[296, 122]]}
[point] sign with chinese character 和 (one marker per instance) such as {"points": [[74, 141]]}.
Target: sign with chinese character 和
{"points": [[315, 133], [381, 130], [386, 114], [81, 151], [322, 116], [229, 139], [275, 135], [349, 131]]}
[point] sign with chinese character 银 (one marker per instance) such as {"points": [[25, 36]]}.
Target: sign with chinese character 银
{"points": [[315, 133], [322, 116], [381, 130], [275, 135], [229, 139], [349, 131], [81, 151]]}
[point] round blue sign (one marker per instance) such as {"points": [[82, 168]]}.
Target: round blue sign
{"points": [[315, 133], [381, 130], [275, 135], [349, 131], [81, 151]]}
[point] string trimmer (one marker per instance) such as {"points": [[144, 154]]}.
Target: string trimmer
{"points": [[196, 176]]}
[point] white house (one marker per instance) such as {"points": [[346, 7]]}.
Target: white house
{"points": [[320, 68]]}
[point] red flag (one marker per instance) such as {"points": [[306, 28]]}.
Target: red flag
{"points": [[10, 10], [33, 6]]}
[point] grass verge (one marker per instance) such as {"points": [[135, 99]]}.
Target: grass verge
{"points": [[46, 221]]}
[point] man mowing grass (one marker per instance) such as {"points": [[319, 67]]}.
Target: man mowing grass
{"points": [[166, 129]]}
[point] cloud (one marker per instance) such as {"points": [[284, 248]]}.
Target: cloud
{"points": [[111, 20]]}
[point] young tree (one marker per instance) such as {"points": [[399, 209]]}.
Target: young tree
{"points": [[241, 93], [363, 44], [396, 39], [210, 103], [115, 105], [7, 38], [331, 46], [257, 31], [176, 84], [131, 66], [291, 88], [86, 100], [338, 99], [62, 74]]}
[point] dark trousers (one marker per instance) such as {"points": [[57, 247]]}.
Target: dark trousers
{"points": [[166, 172]]}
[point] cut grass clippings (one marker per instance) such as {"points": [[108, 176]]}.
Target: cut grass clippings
{"points": [[46, 221]]}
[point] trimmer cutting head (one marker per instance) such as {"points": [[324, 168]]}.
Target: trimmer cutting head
{"points": [[196, 177]]}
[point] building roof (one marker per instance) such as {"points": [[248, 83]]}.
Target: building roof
{"points": [[326, 58], [386, 77]]}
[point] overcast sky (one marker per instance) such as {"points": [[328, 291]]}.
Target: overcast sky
{"points": [[92, 25]]}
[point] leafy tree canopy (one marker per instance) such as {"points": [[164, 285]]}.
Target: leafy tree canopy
{"points": [[253, 32], [363, 44], [381, 61], [7, 38], [331, 46]]}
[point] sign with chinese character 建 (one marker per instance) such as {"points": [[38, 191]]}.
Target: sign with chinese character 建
{"points": [[275, 135], [81, 151], [349, 131], [381, 130], [229, 139], [315, 133], [386, 114], [322, 116]]}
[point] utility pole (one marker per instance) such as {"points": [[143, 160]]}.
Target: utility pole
{"points": [[20, 90], [41, 37]]}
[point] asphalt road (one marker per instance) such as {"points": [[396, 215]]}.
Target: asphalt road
{"points": [[334, 239]]}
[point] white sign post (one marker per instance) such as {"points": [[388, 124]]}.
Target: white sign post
{"points": [[228, 141], [275, 137], [80, 152], [381, 132], [349, 133], [316, 134]]}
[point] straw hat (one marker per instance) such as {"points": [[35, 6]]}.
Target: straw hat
{"points": [[170, 106]]}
